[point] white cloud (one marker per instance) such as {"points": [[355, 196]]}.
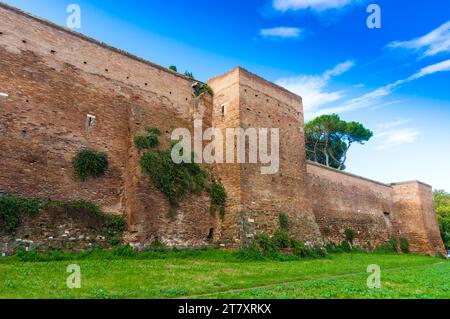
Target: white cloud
{"points": [[394, 137], [392, 134], [443, 66], [312, 87], [393, 124], [367, 100], [281, 32], [316, 5], [379, 106], [370, 99], [435, 42]]}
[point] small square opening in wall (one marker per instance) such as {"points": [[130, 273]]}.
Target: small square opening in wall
{"points": [[223, 109], [90, 121]]}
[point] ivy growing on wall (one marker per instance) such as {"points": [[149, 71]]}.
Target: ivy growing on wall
{"points": [[218, 198], [88, 163], [176, 181], [13, 209], [148, 141]]}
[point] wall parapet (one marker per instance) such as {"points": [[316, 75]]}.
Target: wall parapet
{"points": [[94, 41], [412, 182], [348, 174]]}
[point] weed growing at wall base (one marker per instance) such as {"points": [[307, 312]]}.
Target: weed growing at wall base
{"points": [[12, 209], [218, 198], [177, 180]]}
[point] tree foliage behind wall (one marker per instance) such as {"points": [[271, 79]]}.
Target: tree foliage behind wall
{"points": [[328, 139], [442, 200]]}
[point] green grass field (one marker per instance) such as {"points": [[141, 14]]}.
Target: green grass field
{"points": [[220, 274]]}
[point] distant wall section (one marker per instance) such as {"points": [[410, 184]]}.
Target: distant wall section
{"points": [[343, 201]]}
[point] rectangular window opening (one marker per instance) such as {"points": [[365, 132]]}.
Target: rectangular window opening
{"points": [[90, 121]]}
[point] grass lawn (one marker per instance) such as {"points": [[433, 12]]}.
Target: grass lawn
{"points": [[220, 274]]}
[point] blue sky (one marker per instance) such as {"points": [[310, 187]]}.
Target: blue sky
{"points": [[395, 80]]}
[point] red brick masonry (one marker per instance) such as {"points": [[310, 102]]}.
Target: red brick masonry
{"points": [[55, 78]]}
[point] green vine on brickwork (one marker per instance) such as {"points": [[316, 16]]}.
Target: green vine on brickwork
{"points": [[218, 198], [272, 246], [176, 181], [13, 209], [148, 141], [88, 163]]}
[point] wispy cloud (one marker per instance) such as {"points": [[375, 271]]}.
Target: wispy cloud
{"points": [[316, 5], [312, 87], [433, 43], [281, 32], [393, 124], [370, 99], [443, 66], [393, 134], [379, 106]]}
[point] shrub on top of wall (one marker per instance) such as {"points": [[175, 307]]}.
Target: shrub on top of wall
{"points": [[200, 88], [90, 163], [12, 209]]}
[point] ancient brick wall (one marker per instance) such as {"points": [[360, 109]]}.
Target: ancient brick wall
{"points": [[342, 201], [54, 79], [415, 217], [245, 100], [375, 211], [226, 114]]}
